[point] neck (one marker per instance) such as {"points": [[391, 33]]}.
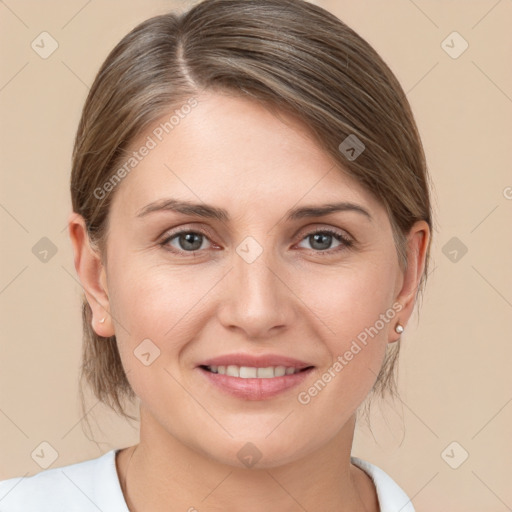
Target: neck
{"points": [[161, 472]]}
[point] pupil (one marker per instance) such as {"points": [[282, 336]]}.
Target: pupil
{"points": [[189, 238], [320, 236]]}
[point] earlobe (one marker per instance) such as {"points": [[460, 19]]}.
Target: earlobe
{"points": [[417, 245], [92, 275]]}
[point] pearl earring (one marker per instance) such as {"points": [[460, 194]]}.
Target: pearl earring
{"points": [[399, 329], [102, 320]]}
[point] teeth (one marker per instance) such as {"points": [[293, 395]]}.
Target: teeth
{"points": [[249, 372], [232, 371]]}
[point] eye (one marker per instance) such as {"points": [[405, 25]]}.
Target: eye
{"points": [[320, 240], [186, 241], [193, 240]]}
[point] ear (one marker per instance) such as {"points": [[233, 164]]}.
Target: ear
{"points": [[408, 281], [92, 275]]}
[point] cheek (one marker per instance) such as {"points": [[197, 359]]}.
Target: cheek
{"points": [[354, 315], [150, 308], [350, 299], [158, 310], [153, 299]]}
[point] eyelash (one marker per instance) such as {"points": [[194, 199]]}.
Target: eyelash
{"points": [[346, 243]]}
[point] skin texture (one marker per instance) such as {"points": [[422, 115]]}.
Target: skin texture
{"points": [[293, 300]]}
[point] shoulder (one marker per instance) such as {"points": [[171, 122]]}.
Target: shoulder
{"points": [[90, 485], [391, 496]]}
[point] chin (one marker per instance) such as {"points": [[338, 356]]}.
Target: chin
{"points": [[255, 452]]}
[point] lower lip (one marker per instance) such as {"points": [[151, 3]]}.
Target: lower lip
{"points": [[255, 389]]}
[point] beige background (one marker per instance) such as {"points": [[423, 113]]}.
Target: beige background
{"points": [[454, 373]]}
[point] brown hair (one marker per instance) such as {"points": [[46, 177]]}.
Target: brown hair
{"points": [[291, 56]]}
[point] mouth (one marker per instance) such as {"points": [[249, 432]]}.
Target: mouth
{"points": [[254, 383], [251, 372]]}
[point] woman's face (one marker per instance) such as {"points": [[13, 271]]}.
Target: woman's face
{"points": [[260, 281]]}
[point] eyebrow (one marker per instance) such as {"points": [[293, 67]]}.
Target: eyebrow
{"points": [[213, 212]]}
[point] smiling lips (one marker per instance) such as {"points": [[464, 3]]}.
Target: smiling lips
{"points": [[255, 377], [248, 372]]}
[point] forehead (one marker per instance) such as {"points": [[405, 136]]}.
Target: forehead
{"points": [[231, 151]]}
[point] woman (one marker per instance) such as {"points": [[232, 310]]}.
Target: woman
{"points": [[251, 226]]}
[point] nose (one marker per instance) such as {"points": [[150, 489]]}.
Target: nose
{"points": [[257, 296]]}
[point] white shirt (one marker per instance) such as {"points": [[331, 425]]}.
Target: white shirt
{"points": [[93, 486]]}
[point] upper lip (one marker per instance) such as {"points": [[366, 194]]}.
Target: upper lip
{"points": [[256, 361]]}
